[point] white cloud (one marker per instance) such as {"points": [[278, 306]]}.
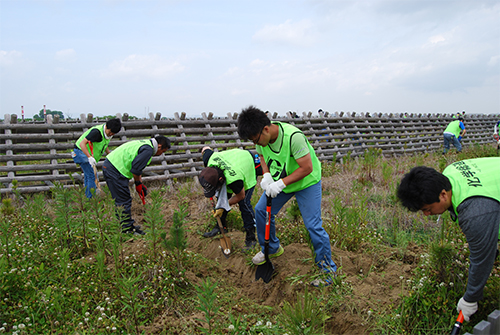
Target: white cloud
{"points": [[291, 33], [67, 55], [9, 58], [436, 39], [141, 66], [494, 60]]}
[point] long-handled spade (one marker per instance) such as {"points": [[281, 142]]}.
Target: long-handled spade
{"points": [[265, 271], [95, 169], [458, 324], [225, 241]]}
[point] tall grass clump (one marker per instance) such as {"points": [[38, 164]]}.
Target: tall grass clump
{"points": [[303, 317]]}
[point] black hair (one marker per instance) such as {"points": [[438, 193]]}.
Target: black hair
{"points": [[421, 186], [251, 122], [164, 141], [115, 125]]}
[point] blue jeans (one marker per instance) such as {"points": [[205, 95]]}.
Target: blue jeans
{"points": [[309, 201], [451, 138], [88, 172]]}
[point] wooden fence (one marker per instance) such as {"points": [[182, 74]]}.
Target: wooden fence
{"points": [[37, 154]]}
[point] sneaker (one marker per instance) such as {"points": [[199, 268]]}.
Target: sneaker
{"points": [[249, 245], [260, 258], [318, 282], [250, 240], [134, 230]]}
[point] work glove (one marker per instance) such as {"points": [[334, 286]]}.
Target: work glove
{"points": [[275, 188], [459, 138], [467, 308], [266, 180], [141, 189], [218, 212], [92, 161]]}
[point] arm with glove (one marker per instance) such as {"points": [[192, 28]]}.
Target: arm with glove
{"points": [[305, 168], [83, 147], [140, 188]]}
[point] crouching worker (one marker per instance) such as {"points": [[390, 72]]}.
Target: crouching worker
{"points": [[470, 191], [231, 176], [89, 149], [127, 162], [290, 168]]}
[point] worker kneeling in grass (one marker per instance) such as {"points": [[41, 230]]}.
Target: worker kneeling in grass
{"points": [[470, 191], [290, 168]]}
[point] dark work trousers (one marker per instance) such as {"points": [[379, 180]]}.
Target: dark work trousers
{"points": [[246, 209], [120, 191]]}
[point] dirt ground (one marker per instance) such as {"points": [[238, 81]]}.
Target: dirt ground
{"points": [[377, 279]]}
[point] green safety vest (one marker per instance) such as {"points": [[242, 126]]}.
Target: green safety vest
{"points": [[474, 177], [236, 164], [282, 163], [454, 128], [98, 147], [122, 157]]}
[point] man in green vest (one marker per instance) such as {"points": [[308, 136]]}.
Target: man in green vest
{"points": [[290, 168], [470, 191], [453, 134], [231, 172], [127, 162], [89, 149]]}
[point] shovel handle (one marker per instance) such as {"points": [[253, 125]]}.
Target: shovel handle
{"points": [[458, 324], [268, 221]]}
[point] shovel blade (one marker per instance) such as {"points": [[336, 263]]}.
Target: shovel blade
{"points": [[225, 245], [265, 271]]}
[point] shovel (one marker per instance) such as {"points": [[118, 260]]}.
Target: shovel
{"points": [[225, 241], [95, 169], [265, 271], [458, 324]]}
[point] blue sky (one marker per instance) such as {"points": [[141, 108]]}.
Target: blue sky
{"points": [[111, 56]]}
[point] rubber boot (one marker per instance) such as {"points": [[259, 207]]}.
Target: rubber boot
{"points": [[215, 231], [250, 240]]}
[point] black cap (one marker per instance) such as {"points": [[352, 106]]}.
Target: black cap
{"points": [[209, 178]]}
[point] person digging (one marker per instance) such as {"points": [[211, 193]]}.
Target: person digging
{"points": [[470, 191], [230, 176]]}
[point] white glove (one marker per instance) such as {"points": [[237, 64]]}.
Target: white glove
{"points": [[92, 161], [266, 181], [467, 308], [275, 188]]}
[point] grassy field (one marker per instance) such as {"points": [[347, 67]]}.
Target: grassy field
{"points": [[66, 268]]}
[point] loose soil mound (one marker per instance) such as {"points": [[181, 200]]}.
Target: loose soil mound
{"points": [[377, 279]]}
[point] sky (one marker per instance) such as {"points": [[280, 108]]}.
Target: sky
{"points": [[121, 56]]}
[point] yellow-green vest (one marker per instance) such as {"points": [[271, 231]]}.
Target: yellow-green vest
{"points": [[236, 164], [98, 147], [282, 163], [122, 157]]}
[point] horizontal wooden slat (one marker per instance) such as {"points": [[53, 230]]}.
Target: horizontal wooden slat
{"points": [[39, 153]]}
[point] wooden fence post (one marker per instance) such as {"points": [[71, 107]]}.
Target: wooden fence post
{"points": [[10, 174]]}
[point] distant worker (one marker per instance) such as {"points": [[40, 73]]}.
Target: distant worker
{"points": [[470, 191], [127, 162], [495, 134], [453, 134], [89, 149]]}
